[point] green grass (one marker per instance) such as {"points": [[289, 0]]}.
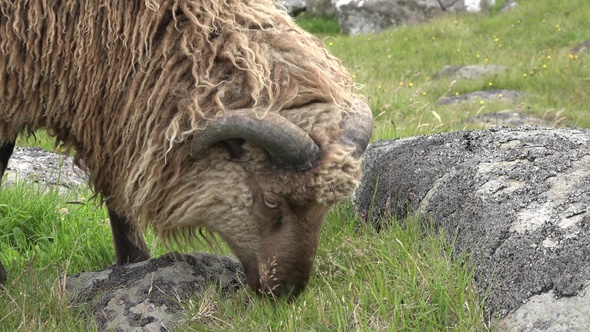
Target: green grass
{"points": [[42, 238], [396, 67], [38, 139], [318, 25], [45, 235], [405, 278]]}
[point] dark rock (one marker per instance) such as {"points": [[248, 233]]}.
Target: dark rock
{"points": [[516, 201], [146, 296]]}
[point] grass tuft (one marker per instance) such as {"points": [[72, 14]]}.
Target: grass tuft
{"points": [[323, 25]]}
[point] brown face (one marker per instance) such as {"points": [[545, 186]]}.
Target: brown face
{"points": [[271, 226], [286, 234]]}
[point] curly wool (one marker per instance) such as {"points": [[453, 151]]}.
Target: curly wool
{"points": [[128, 84]]}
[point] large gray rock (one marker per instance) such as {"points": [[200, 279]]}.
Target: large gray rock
{"points": [[549, 314], [48, 169], [147, 296], [516, 201], [294, 7], [321, 7], [372, 16], [478, 5]]}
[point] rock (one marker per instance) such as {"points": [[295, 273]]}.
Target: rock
{"points": [[515, 201], [321, 7], [549, 315], [507, 119], [487, 95], [582, 48], [485, 5], [508, 6], [372, 16], [474, 72], [478, 5], [45, 168], [146, 296], [294, 7]]}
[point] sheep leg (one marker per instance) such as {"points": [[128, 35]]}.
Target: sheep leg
{"points": [[130, 246], [5, 152]]}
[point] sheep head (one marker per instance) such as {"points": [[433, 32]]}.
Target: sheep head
{"points": [[289, 191]]}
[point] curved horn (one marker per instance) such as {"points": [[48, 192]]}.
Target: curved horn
{"points": [[289, 146], [357, 127]]}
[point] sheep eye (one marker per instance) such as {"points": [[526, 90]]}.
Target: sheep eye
{"points": [[271, 203]]}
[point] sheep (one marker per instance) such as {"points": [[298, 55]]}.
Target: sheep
{"points": [[189, 115]]}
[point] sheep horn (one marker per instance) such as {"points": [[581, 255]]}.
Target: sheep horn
{"points": [[357, 127], [289, 146]]}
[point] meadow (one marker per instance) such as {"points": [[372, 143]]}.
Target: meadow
{"points": [[404, 278]]}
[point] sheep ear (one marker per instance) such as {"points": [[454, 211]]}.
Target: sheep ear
{"points": [[234, 146]]}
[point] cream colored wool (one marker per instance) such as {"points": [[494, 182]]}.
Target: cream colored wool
{"points": [[129, 84]]}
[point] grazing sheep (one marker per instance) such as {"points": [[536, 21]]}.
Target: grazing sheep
{"points": [[217, 115]]}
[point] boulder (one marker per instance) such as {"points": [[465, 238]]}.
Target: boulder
{"points": [[514, 201], [147, 296], [321, 7], [48, 169], [478, 5], [372, 16], [294, 7], [485, 5]]}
